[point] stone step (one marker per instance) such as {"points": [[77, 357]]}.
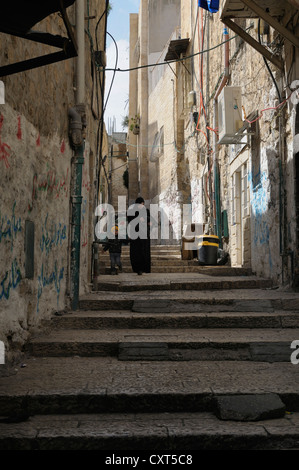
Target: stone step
{"points": [[143, 432], [173, 252], [169, 345], [82, 320], [156, 261], [175, 301], [70, 385], [207, 282], [161, 269]]}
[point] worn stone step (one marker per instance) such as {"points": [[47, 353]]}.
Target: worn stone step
{"points": [[141, 433], [161, 269], [201, 283], [177, 344], [129, 320], [69, 385], [155, 261], [174, 301]]}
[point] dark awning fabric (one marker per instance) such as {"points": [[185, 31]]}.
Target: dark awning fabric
{"points": [[176, 48], [17, 19], [22, 15]]}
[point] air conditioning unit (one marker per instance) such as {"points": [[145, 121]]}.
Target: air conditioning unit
{"points": [[230, 115]]}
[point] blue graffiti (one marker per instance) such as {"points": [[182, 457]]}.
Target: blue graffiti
{"points": [[10, 226], [259, 196], [10, 280], [51, 236], [261, 230], [46, 279]]}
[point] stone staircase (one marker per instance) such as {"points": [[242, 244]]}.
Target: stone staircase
{"points": [[170, 361], [164, 259]]}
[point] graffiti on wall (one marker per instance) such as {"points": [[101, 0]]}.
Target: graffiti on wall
{"points": [[86, 184], [260, 204], [10, 280], [4, 148], [53, 277], [10, 226], [51, 183], [52, 236], [259, 194]]}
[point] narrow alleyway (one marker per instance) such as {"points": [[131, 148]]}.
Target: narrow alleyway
{"points": [[150, 362]]}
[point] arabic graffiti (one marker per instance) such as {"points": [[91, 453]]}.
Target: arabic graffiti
{"points": [[50, 183], [52, 236], [54, 277], [10, 226], [10, 280]]}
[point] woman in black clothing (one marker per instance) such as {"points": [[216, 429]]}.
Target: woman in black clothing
{"points": [[140, 247]]}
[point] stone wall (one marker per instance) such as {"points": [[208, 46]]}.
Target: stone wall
{"points": [[36, 162], [250, 185], [262, 230]]}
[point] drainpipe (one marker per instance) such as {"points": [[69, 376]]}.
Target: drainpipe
{"points": [[77, 136], [215, 125]]}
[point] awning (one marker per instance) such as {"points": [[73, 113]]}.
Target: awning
{"points": [[176, 48], [268, 10], [19, 16]]}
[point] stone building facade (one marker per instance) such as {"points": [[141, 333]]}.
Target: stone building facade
{"points": [[37, 175], [245, 189]]}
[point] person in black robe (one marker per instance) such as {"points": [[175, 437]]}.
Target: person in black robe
{"points": [[140, 246]]}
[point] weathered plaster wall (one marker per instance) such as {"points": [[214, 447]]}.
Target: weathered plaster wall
{"points": [[35, 187], [36, 167], [268, 226]]}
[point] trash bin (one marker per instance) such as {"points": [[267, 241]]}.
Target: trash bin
{"points": [[189, 241], [208, 249]]}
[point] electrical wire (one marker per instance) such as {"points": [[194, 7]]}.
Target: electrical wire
{"points": [[179, 59], [113, 77], [271, 108], [215, 130], [202, 101], [266, 63]]}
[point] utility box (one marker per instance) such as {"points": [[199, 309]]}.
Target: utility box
{"points": [[229, 115]]}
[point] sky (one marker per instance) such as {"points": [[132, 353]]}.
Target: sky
{"points": [[118, 25]]}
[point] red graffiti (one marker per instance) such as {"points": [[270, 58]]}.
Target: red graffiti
{"points": [[19, 133], [86, 181], [50, 184], [62, 148], [38, 141], [4, 148]]}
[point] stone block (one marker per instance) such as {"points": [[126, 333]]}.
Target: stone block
{"points": [[270, 352], [249, 407], [142, 351]]}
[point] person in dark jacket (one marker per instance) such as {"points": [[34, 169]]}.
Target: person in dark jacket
{"points": [[114, 246], [140, 248]]}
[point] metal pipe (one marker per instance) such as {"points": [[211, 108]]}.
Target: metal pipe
{"points": [[215, 125], [78, 124], [80, 61]]}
